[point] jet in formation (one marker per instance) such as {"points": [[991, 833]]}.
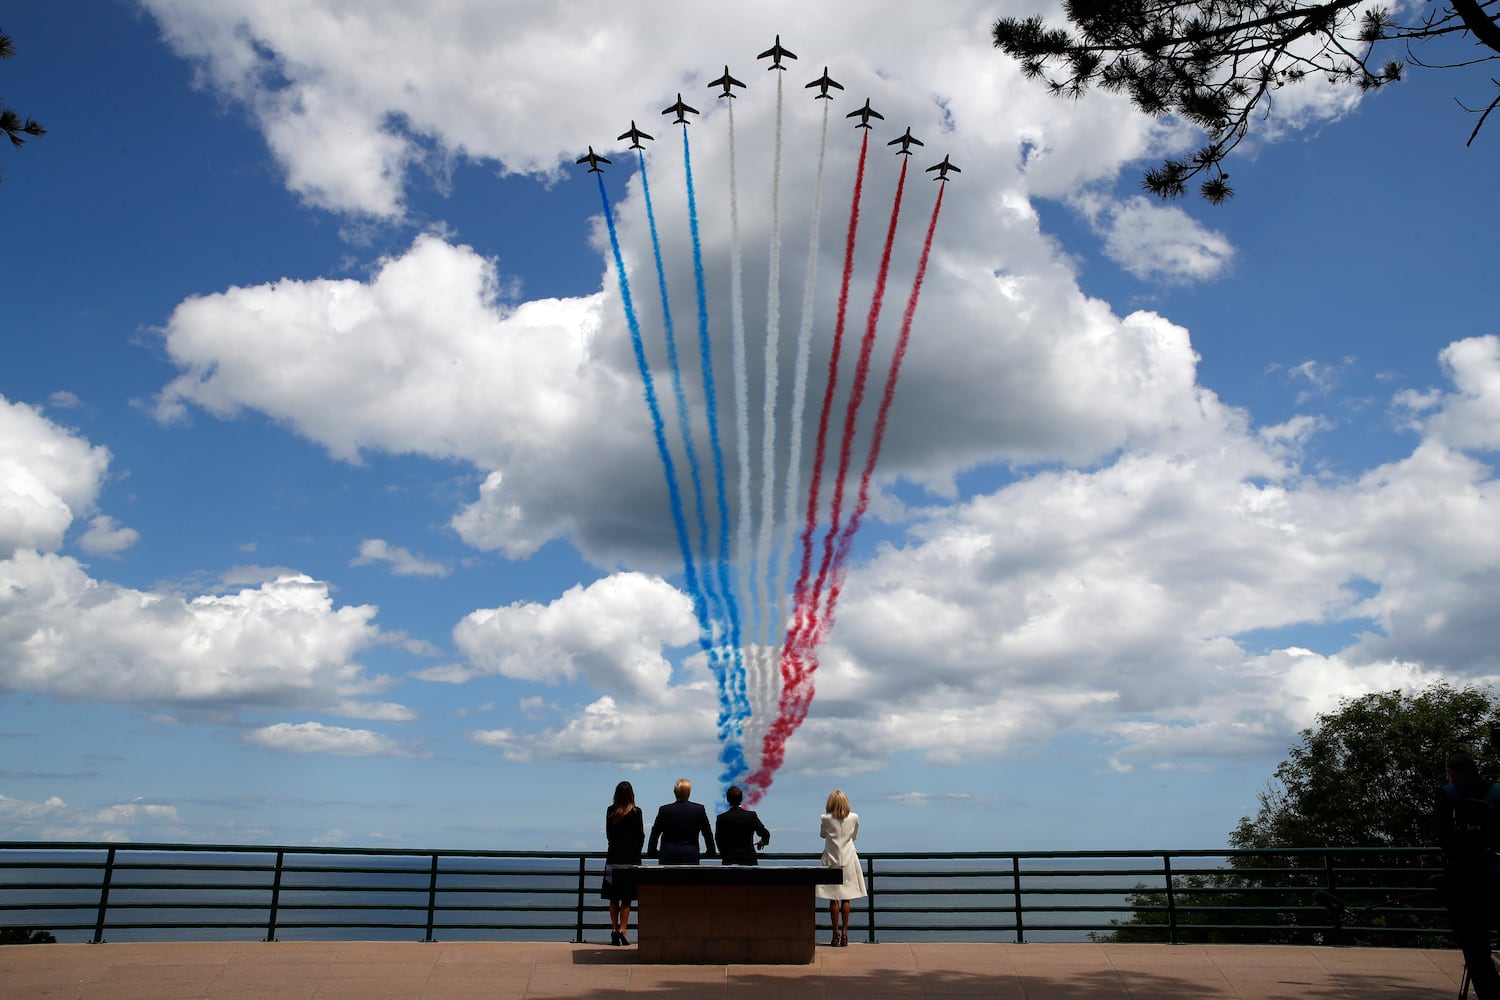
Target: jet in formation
{"points": [[824, 82], [776, 53], [726, 81], [681, 110], [593, 159], [635, 135], [906, 141], [943, 168], [864, 115]]}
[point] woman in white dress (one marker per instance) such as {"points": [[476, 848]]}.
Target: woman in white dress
{"points": [[839, 828]]}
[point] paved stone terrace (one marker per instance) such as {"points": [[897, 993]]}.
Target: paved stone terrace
{"points": [[531, 971]]}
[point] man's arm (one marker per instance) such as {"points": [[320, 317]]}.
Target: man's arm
{"points": [[706, 830], [765, 835], [655, 836]]}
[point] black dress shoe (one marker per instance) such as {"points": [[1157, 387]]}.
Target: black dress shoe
{"points": [[614, 937]]}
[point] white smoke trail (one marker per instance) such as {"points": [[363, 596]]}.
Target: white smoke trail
{"points": [[799, 396], [772, 376], [743, 555], [763, 667]]}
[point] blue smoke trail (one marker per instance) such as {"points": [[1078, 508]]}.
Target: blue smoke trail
{"points": [[658, 428], [684, 418], [731, 753]]}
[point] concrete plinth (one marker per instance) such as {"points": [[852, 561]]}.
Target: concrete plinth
{"points": [[727, 915]]}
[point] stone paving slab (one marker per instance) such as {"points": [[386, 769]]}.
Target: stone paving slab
{"points": [[537, 971]]}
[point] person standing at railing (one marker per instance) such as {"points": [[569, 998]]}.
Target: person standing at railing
{"points": [[679, 824], [625, 830], [736, 829], [839, 826], [1469, 833]]}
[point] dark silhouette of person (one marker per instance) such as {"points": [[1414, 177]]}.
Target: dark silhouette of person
{"points": [[1468, 824], [678, 825], [736, 829], [625, 829]]}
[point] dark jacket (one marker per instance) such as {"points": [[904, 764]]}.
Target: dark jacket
{"points": [[737, 829], [674, 835], [1467, 817], [626, 835]]}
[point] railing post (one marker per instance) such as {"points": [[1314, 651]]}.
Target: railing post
{"points": [[1339, 934], [1015, 884], [431, 896], [275, 896], [582, 862], [1333, 874], [1166, 867], [109, 875], [870, 898]]}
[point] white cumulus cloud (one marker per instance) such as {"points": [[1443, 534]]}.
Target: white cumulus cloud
{"points": [[281, 643], [612, 633], [403, 562], [48, 478], [105, 536], [314, 737]]}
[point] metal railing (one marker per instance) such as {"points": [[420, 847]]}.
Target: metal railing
{"points": [[101, 892]]}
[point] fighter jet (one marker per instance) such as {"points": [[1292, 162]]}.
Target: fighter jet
{"points": [[943, 168], [825, 81], [679, 109], [775, 53], [864, 115], [726, 81], [635, 136], [907, 141], [593, 159]]}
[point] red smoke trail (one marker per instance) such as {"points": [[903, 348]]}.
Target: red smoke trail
{"points": [[799, 653], [795, 674], [812, 632], [846, 540], [821, 449]]}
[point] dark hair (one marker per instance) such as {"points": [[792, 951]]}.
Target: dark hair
{"points": [[624, 800], [1466, 774], [1463, 767], [733, 795]]}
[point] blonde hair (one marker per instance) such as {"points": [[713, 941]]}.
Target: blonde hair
{"points": [[838, 805], [682, 788]]}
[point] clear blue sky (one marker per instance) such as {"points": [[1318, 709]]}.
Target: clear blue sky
{"points": [[330, 508]]}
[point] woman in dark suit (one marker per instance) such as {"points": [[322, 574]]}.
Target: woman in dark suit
{"points": [[677, 828], [625, 829]]}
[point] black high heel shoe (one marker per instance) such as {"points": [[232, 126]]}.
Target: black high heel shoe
{"points": [[615, 937]]}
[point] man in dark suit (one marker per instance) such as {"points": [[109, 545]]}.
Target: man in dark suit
{"points": [[1468, 825], [736, 829], [677, 828]]}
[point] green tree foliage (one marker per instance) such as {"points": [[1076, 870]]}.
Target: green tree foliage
{"points": [[1216, 63], [1365, 775], [15, 127]]}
